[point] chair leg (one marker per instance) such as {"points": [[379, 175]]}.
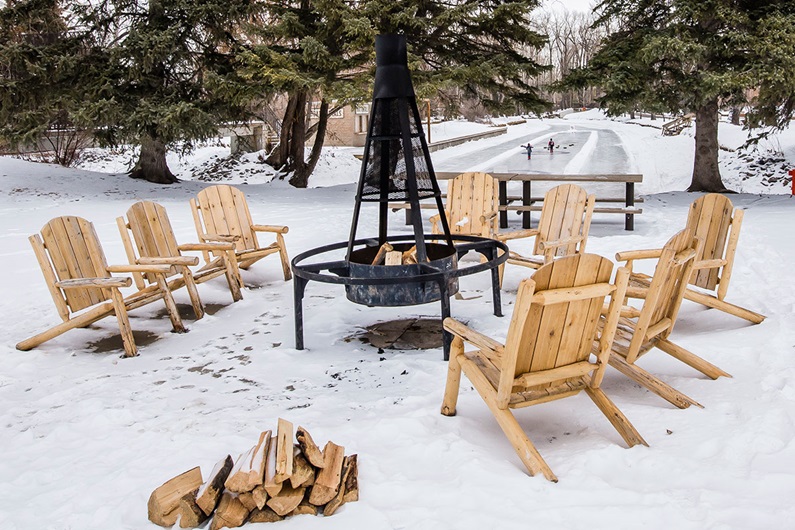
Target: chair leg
{"points": [[722, 305], [123, 319], [644, 378], [193, 293], [616, 417], [453, 378], [524, 448], [284, 258], [171, 306], [691, 359], [233, 275]]}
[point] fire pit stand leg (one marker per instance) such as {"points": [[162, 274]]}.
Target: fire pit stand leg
{"points": [[447, 337], [299, 286], [495, 291]]}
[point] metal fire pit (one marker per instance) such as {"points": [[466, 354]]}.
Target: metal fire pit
{"points": [[342, 272], [405, 291], [396, 166]]}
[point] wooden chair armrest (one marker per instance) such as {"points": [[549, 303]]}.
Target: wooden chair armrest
{"points": [[475, 338], [213, 245], [218, 237], [488, 216], [270, 228], [154, 269], [78, 283], [544, 245], [709, 263], [434, 219], [518, 234], [631, 255], [173, 260]]}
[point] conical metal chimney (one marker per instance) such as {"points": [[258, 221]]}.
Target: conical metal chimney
{"points": [[396, 165]]}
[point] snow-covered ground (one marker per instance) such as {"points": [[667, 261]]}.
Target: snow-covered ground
{"points": [[86, 436]]}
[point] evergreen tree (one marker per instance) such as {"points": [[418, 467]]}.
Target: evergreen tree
{"points": [[325, 47], [40, 83], [165, 72], [695, 56]]}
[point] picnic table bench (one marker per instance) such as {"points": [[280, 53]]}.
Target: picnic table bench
{"points": [[529, 202]]}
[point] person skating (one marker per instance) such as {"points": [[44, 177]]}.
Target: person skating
{"points": [[551, 145], [529, 149]]}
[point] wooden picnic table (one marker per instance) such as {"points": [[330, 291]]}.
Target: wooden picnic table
{"points": [[629, 209]]}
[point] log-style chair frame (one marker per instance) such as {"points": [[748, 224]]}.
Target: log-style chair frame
{"points": [[642, 329], [80, 282], [714, 219], [547, 353], [153, 242], [563, 225], [221, 213]]}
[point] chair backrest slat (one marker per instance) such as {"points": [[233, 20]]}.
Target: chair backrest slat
{"points": [[542, 337], [152, 232], [563, 215], [664, 296], [75, 252], [225, 212], [470, 196], [710, 218]]}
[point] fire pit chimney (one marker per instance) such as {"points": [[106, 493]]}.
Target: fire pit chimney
{"points": [[396, 165]]}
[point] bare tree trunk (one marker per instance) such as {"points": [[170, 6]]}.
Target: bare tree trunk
{"points": [[735, 116], [706, 173], [300, 179], [151, 164], [297, 147], [279, 158]]}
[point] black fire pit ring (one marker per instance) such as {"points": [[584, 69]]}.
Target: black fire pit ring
{"points": [[340, 272]]}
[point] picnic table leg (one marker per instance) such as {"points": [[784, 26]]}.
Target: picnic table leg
{"points": [[526, 220], [503, 187], [299, 286], [629, 222]]}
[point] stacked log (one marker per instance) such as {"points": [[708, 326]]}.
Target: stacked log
{"points": [[274, 479], [387, 255]]}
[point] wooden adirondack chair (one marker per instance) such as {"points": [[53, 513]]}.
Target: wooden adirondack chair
{"points": [[563, 226], [641, 330], [221, 213], [79, 278], [547, 352], [714, 220], [153, 242]]}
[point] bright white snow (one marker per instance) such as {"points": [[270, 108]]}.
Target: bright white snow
{"points": [[86, 436]]}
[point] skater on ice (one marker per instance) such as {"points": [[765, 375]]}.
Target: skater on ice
{"points": [[529, 149]]}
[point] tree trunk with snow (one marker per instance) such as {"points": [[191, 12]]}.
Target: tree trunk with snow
{"points": [[151, 164], [706, 173], [300, 178]]}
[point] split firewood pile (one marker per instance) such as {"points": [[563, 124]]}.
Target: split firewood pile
{"points": [[387, 255], [273, 480]]}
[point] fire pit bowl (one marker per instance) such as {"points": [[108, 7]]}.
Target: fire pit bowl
{"points": [[442, 258]]}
